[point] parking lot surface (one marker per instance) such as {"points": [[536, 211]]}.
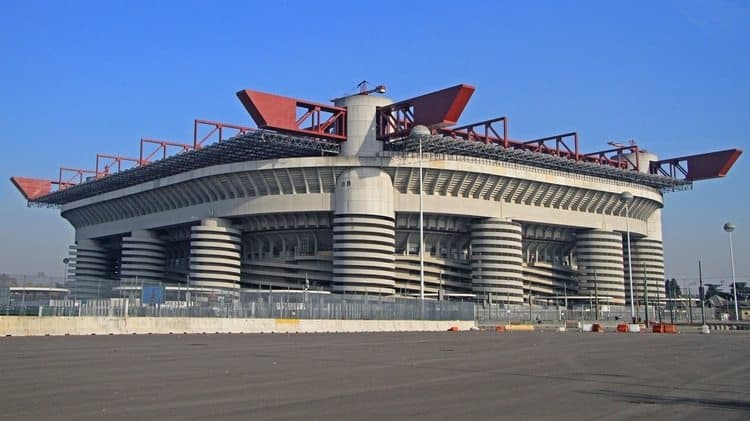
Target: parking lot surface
{"points": [[448, 375]]}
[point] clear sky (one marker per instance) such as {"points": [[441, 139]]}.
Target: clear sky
{"points": [[80, 78]]}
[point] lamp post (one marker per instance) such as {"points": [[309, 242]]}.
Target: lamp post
{"points": [[729, 228], [626, 197], [65, 273], [420, 132]]}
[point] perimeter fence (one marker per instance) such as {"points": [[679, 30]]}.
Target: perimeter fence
{"points": [[257, 305]]}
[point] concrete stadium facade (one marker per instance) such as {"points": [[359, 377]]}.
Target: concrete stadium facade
{"points": [[498, 230]]}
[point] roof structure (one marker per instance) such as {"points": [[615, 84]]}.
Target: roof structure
{"points": [[457, 146], [263, 144], [252, 146]]}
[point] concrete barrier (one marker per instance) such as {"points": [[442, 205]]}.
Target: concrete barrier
{"points": [[519, 328], [40, 326]]}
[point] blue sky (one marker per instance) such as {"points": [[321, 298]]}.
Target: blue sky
{"points": [[80, 78]]}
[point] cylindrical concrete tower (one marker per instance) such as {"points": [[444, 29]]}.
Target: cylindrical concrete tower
{"points": [[496, 260], [360, 124], [600, 261], [215, 251], [648, 264], [643, 160], [92, 269], [363, 232], [143, 259]]}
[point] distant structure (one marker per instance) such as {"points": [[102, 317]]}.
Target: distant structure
{"points": [[331, 197]]}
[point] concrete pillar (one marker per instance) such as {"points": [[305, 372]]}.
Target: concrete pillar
{"points": [[364, 233], [648, 263], [91, 269], [600, 261], [143, 259], [215, 250], [496, 260], [360, 124]]}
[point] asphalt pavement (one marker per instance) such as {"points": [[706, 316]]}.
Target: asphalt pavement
{"points": [[449, 375]]}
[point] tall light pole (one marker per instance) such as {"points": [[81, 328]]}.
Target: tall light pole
{"points": [[65, 273], [626, 197], [729, 227], [420, 132]]}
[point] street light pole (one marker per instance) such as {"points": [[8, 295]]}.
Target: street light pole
{"points": [[420, 132], [421, 227], [702, 294], [626, 197], [729, 228]]}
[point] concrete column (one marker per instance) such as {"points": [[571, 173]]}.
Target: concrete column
{"points": [[496, 260], [215, 250], [143, 259], [600, 261], [360, 124], [364, 233], [648, 263], [91, 269]]}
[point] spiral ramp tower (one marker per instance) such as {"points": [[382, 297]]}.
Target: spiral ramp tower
{"points": [[364, 233], [143, 259], [648, 269], [496, 260], [91, 267], [600, 263], [215, 250]]}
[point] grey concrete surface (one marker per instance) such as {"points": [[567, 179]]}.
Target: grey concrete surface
{"points": [[464, 375]]}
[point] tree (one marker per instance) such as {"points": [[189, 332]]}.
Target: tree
{"points": [[672, 288]]}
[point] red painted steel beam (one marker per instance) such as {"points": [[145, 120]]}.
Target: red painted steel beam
{"points": [[215, 130], [295, 116], [601, 157], [697, 167], [483, 131], [435, 110], [32, 188], [109, 161], [71, 176], [561, 147], [161, 145]]}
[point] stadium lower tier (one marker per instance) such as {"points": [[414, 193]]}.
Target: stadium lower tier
{"points": [[489, 260]]}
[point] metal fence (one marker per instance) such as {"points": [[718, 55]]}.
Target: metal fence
{"points": [[260, 305], [317, 305], [496, 312]]}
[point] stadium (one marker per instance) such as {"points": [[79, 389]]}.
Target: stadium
{"points": [[371, 196]]}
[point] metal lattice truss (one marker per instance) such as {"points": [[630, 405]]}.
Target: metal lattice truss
{"points": [[438, 144], [253, 146]]}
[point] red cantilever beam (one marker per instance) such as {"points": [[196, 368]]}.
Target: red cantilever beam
{"points": [[697, 167], [435, 110], [296, 116], [32, 188]]}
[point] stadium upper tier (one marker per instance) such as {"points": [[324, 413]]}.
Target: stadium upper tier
{"points": [[263, 144]]}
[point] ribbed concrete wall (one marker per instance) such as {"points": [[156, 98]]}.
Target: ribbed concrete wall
{"points": [[364, 233], [215, 251], [143, 259], [600, 258], [91, 269], [496, 260], [648, 263]]}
